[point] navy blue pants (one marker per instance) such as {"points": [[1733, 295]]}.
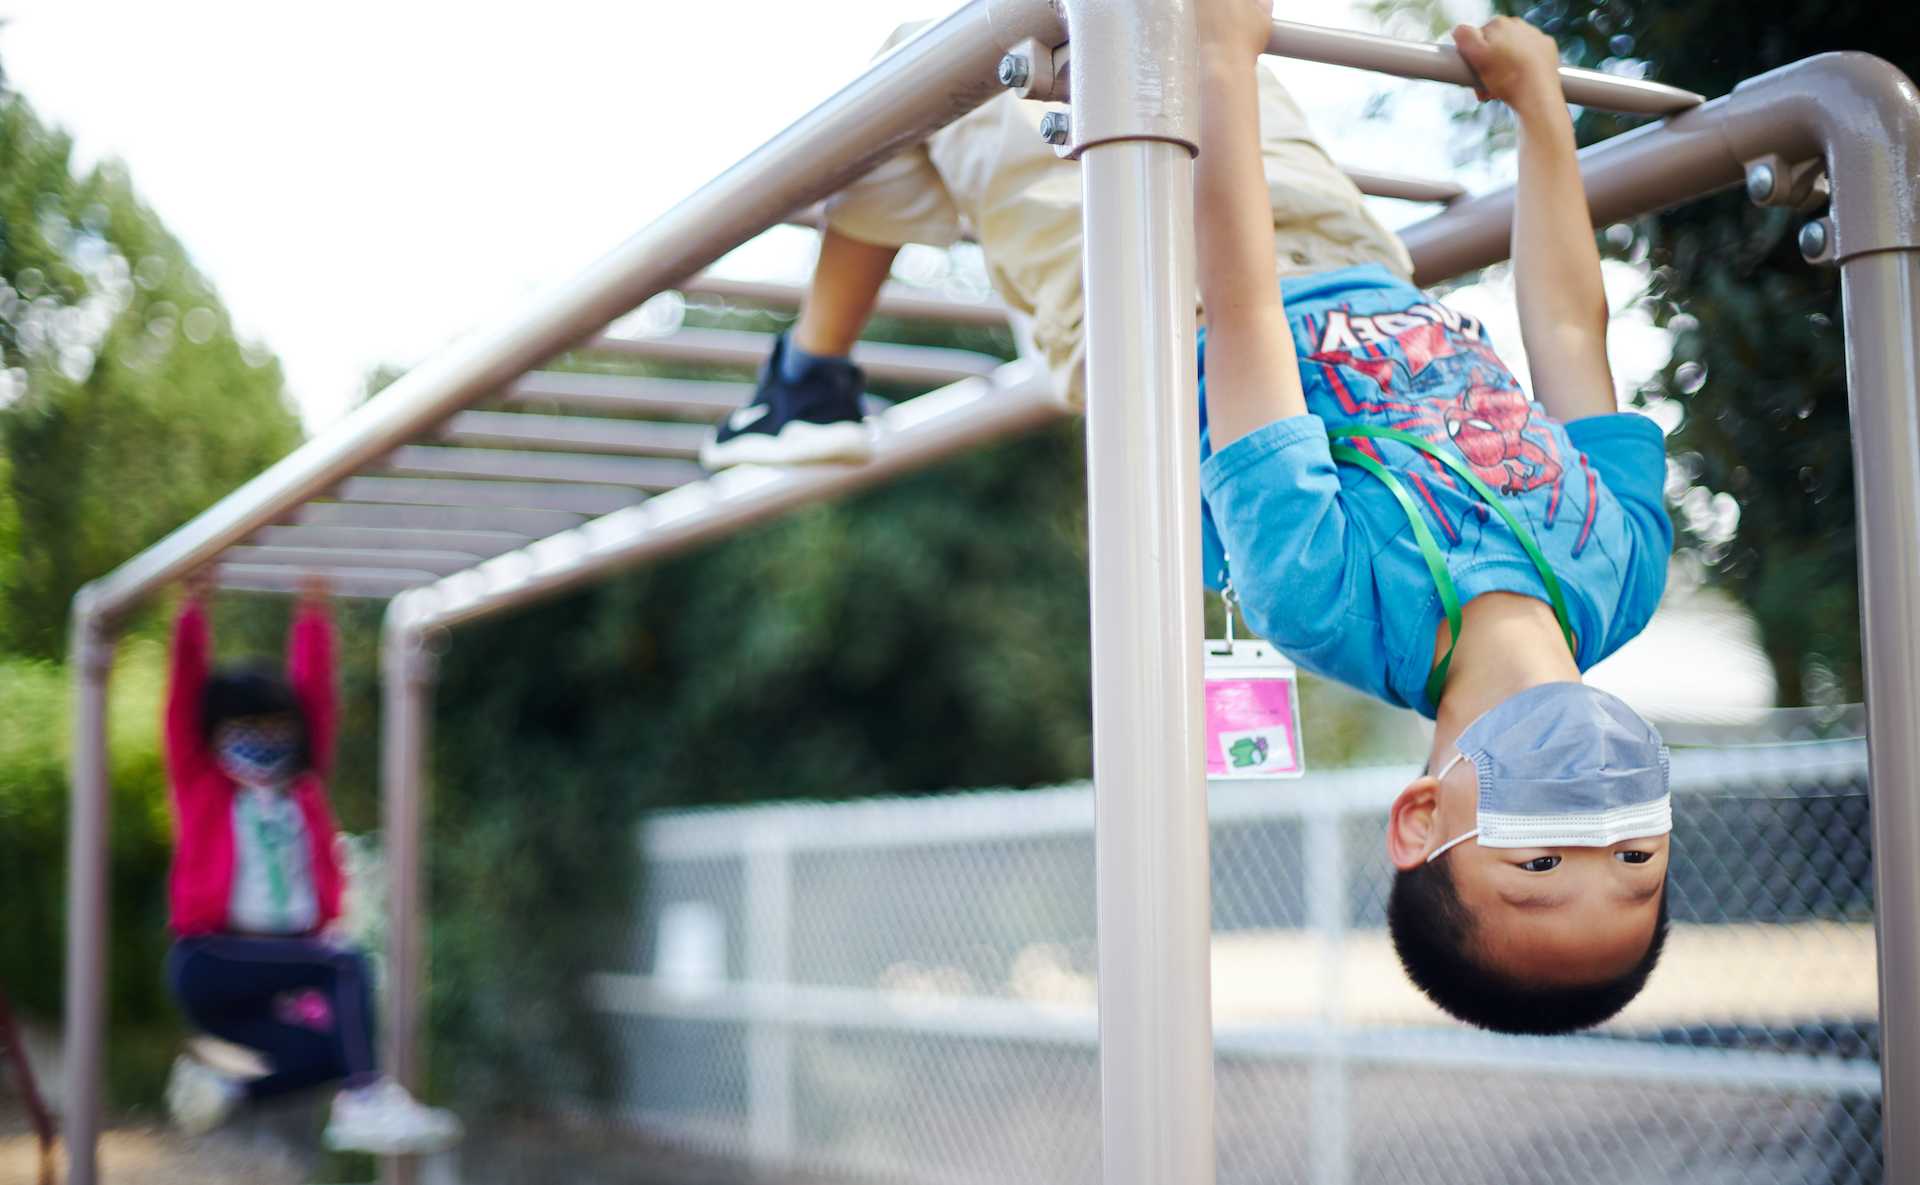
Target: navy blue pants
{"points": [[303, 1003]]}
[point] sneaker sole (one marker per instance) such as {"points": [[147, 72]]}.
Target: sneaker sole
{"points": [[799, 443]]}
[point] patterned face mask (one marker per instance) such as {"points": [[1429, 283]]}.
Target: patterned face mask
{"points": [[258, 754]]}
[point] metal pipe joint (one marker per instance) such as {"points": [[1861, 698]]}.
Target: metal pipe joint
{"points": [[1850, 116], [1145, 86]]}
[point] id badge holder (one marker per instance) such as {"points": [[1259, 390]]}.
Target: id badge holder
{"points": [[1253, 709]]}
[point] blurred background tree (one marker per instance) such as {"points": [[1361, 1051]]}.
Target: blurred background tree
{"points": [[126, 407], [129, 404], [1759, 366]]}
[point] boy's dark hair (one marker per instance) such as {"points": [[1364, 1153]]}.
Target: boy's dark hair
{"points": [[251, 689], [1431, 930]]}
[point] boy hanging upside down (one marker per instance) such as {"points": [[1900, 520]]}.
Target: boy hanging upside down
{"points": [[1399, 515]]}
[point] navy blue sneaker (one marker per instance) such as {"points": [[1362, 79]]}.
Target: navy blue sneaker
{"points": [[811, 420]]}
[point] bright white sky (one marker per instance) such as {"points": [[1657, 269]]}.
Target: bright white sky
{"points": [[363, 181]]}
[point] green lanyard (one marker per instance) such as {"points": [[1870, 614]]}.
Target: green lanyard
{"points": [[271, 845], [1430, 550]]}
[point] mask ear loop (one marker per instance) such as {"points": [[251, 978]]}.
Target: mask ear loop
{"points": [[1463, 836], [1456, 840]]}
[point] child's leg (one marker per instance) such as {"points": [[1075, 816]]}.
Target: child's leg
{"points": [[846, 282], [807, 405], [249, 991], [1025, 203], [1320, 219]]}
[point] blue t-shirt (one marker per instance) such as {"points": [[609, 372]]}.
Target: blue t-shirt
{"points": [[1323, 559]]}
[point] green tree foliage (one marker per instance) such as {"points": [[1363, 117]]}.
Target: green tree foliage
{"points": [[1759, 363], [129, 405], [34, 727], [126, 407]]}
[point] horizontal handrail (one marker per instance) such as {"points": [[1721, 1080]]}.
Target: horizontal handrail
{"points": [[884, 361], [1443, 63]]}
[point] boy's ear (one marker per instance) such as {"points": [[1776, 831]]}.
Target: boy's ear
{"points": [[1411, 821]]}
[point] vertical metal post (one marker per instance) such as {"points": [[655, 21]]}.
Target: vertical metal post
{"points": [[1326, 883], [407, 671], [1134, 98], [90, 663], [767, 903], [1882, 300]]}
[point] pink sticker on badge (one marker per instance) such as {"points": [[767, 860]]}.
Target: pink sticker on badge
{"points": [[1250, 728]]}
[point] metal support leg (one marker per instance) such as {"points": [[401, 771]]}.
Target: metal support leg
{"points": [[407, 671], [1882, 295], [1143, 499], [91, 661]]}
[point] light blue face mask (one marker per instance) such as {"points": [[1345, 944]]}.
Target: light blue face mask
{"points": [[1564, 765]]}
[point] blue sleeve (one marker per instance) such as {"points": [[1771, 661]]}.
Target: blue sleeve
{"points": [[1274, 499], [1629, 452]]}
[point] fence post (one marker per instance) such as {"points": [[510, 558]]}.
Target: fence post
{"points": [[1324, 837], [766, 903], [1133, 121]]}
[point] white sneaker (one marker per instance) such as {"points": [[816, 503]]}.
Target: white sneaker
{"points": [[199, 1098], [387, 1121]]}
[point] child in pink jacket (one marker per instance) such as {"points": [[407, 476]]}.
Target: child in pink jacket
{"points": [[255, 883]]}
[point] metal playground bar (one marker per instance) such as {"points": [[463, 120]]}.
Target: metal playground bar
{"points": [[462, 532]]}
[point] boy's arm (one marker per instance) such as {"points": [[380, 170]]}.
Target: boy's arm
{"points": [[1253, 375], [1556, 266]]}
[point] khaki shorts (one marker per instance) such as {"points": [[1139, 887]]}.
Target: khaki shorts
{"points": [[1023, 202]]}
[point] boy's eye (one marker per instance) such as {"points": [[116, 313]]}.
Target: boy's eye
{"points": [[1541, 864], [1633, 857]]}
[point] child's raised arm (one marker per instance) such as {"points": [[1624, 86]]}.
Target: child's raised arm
{"points": [[187, 754], [1253, 376], [1556, 267], [311, 670]]}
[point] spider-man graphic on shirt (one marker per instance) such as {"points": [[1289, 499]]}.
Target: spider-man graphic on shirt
{"points": [[1428, 370]]}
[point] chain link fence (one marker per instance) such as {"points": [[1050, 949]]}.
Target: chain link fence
{"points": [[903, 990]]}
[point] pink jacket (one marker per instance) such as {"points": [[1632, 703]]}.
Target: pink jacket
{"points": [[202, 796]]}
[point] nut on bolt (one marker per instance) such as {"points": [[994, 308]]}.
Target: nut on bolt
{"points": [[1813, 239], [1760, 184], [1015, 69], [1053, 127]]}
